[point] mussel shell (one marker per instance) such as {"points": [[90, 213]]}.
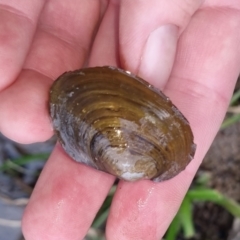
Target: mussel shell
{"points": [[116, 122]]}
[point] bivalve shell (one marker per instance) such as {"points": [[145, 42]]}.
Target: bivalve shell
{"points": [[116, 122]]}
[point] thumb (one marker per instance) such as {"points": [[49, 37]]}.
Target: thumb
{"points": [[149, 27]]}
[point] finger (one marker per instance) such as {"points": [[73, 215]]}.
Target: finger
{"points": [[65, 200], [202, 81], [61, 43], [64, 36], [105, 45], [148, 35], [201, 84], [63, 205], [17, 26]]}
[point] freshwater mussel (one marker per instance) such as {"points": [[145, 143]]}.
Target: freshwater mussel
{"points": [[116, 122]]}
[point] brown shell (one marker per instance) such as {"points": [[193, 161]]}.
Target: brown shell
{"points": [[116, 122]]}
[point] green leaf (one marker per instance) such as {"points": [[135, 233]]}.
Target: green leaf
{"points": [[231, 120], [173, 229], [101, 219], [186, 219], [23, 160], [204, 194], [235, 97], [216, 197]]}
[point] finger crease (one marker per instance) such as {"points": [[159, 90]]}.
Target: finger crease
{"points": [[65, 40], [16, 12], [199, 91]]}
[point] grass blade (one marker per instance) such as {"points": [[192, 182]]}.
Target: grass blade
{"points": [[231, 120], [23, 160], [185, 215], [216, 197], [235, 97], [173, 229]]}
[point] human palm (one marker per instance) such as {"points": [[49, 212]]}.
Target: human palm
{"points": [[188, 50]]}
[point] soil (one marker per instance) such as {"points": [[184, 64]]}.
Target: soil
{"points": [[222, 164]]}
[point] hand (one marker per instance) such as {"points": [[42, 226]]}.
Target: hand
{"points": [[40, 40]]}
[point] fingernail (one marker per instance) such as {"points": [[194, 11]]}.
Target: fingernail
{"points": [[158, 55]]}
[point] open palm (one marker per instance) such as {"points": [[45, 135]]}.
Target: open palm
{"points": [[188, 49]]}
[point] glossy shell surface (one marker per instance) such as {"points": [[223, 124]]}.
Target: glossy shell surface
{"points": [[116, 122]]}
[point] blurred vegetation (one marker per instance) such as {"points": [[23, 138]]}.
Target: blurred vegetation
{"points": [[184, 222], [234, 110]]}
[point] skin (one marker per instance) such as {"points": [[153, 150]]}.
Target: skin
{"points": [[188, 49]]}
